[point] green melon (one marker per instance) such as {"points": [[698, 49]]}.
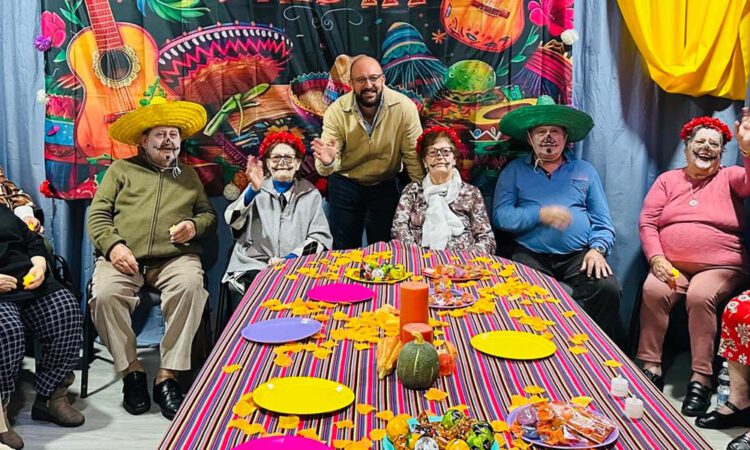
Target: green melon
{"points": [[418, 364]]}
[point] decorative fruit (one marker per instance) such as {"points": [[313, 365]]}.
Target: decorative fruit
{"points": [[452, 418], [458, 444], [451, 349], [418, 364], [387, 353], [447, 364], [397, 426]]}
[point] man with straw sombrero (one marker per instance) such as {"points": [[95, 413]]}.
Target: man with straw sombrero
{"points": [[145, 222], [555, 207]]}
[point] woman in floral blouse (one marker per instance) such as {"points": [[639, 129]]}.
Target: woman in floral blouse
{"points": [[442, 212], [735, 347]]}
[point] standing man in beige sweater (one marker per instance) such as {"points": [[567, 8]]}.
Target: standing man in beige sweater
{"points": [[367, 134]]}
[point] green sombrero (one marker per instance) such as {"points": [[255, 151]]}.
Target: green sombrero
{"points": [[546, 112]]}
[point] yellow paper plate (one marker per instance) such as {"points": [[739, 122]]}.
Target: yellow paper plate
{"points": [[302, 395], [518, 345]]}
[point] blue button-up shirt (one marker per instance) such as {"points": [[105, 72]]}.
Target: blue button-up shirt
{"points": [[523, 190]]}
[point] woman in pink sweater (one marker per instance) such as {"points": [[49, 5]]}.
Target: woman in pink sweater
{"points": [[690, 230]]}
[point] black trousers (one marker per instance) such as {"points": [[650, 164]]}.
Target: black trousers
{"points": [[600, 298], [355, 208]]}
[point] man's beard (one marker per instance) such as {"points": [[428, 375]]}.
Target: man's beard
{"points": [[366, 103]]}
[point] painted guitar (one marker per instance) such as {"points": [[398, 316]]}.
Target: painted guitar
{"points": [[115, 63], [490, 25]]}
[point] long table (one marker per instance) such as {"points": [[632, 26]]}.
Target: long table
{"points": [[483, 383]]}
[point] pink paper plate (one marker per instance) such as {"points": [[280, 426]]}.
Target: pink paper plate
{"points": [[282, 442], [341, 293]]}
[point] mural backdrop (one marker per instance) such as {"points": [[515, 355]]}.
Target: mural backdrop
{"points": [[265, 65]]}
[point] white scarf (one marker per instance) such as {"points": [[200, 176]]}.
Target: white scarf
{"points": [[440, 223]]}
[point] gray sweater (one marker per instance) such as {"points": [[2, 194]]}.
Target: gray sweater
{"points": [[264, 231]]}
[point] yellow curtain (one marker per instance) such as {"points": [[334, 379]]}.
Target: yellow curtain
{"points": [[693, 47]]}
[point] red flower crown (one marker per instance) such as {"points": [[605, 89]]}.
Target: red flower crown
{"points": [[281, 137], [705, 122], [437, 129]]}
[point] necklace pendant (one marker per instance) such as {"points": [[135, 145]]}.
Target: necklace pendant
{"points": [[693, 202]]}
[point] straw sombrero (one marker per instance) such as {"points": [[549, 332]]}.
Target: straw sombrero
{"points": [[189, 117], [546, 112]]}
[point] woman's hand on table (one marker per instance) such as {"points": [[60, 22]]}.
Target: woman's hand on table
{"points": [[662, 268], [276, 261], [7, 283], [594, 263]]}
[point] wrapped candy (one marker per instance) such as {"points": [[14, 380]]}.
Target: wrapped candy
{"points": [[527, 417], [426, 443]]}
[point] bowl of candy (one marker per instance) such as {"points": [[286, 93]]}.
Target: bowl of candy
{"points": [[444, 296], [451, 431], [378, 273], [562, 426], [456, 272]]}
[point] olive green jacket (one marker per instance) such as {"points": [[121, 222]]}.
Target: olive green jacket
{"points": [[136, 204]]}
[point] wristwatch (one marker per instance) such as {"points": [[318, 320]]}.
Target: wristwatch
{"points": [[600, 249]]}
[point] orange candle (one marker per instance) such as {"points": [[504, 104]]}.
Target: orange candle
{"points": [[421, 328], [414, 305]]}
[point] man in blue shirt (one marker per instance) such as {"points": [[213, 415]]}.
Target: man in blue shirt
{"points": [[555, 207]]}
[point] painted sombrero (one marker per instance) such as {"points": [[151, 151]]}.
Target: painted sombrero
{"points": [[189, 117], [546, 112]]}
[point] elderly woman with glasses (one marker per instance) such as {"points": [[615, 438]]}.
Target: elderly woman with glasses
{"points": [[691, 232], [442, 212], [278, 217]]}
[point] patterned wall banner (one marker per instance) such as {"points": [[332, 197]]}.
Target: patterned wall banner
{"points": [[265, 65]]}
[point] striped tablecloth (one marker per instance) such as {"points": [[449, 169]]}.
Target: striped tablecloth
{"points": [[483, 383]]}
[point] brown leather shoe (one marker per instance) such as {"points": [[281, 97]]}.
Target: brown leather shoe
{"points": [[57, 408], [10, 437]]}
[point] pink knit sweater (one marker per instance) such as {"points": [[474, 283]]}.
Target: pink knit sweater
{"points": [[707, 233]]}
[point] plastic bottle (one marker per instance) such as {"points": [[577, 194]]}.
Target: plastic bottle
{"points": [[722, 392]]}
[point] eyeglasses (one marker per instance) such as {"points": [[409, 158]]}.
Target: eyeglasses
{"points": [[287, 159], [445, 152], [362, 80]]}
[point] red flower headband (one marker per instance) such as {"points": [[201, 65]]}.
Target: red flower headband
{"points": [[705, 122], [437, 129], [281, 137]]}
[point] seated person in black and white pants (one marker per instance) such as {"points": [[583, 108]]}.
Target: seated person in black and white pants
{"points": [[31, 300]]}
